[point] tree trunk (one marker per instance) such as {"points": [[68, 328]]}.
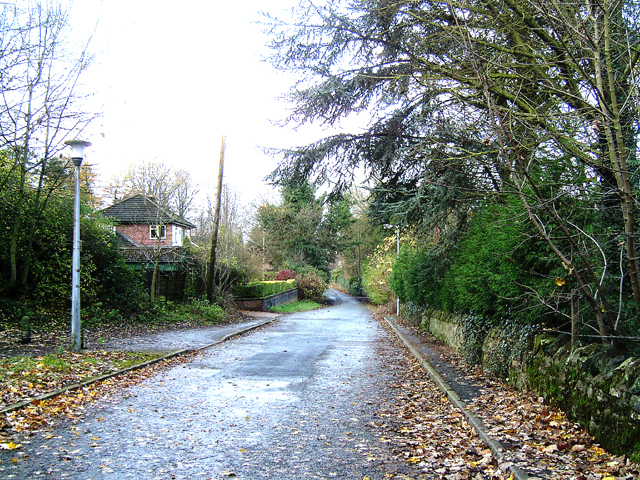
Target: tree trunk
{"points": [[575, 319]]}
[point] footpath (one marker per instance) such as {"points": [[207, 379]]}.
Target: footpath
{"points": [[458, 388]]}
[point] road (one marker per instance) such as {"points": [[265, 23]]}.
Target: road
{"points": [[293, 400]]}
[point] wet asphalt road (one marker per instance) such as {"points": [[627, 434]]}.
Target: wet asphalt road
{"points": [[293, 400]]}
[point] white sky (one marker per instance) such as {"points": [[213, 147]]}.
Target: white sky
{"points": [[172, 77]]}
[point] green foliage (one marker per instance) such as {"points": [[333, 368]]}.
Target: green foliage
{"points": [[413, 312], [353, 284], [107, 282], [263, 289], [96, 314], [301, 231], [474, 331], [302, 269], [418, 275], [200, 309], [355, 287], [498, 266], [377, 272], [12, 311], [512, 342], [301, 306], [481, 125]]}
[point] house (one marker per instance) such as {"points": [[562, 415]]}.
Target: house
{"points": [[140, 222], [152, 238]]}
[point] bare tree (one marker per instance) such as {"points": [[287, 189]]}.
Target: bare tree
{"points": [[232, 252], [173, 189], [39, 109]]}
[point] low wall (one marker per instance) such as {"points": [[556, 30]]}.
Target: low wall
{"points": [[263, 304], [599, 390], [446, 328]]}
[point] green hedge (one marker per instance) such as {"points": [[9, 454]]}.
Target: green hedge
{"points": [[263, 289]]}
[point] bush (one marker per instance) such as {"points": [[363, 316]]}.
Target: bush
{"points": [[202, 309], [375, 276], [263, 289], [306, 269], [499, 263], [311, 287], [285, 275], [355, 287], [418, 275]]}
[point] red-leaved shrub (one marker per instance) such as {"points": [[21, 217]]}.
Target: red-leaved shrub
{"points": [[285, 275]]}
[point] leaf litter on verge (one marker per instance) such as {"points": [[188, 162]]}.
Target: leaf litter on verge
{"points": [[43, 414], [539, 438]]}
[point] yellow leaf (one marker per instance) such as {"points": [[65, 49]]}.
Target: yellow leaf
{"points": [[560, 281], [10, 446]]}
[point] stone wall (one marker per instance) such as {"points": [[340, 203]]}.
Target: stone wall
{"points": [[263, 304], [444, 327], [594, 387]]}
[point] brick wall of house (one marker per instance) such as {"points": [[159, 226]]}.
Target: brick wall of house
{"points": [[140, 234]]}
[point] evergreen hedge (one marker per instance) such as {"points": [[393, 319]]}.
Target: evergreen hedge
{"points": [[263, 289]]}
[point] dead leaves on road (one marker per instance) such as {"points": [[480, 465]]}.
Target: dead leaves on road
{"points": [[542, 436]]}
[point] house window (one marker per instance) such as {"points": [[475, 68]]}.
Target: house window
{"points": [[157, 232]]}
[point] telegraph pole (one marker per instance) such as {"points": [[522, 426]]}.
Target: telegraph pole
{"points": [[216, 223]]}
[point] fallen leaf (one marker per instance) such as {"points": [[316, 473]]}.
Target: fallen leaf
{"points": [[10, 446]]}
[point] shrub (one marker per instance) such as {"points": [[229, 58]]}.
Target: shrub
{"points": [[311, 287], [418, 275], [355, 287], [306, 269], [202, 309], [285, 275]]}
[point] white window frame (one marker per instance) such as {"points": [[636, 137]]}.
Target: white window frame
{"points": [[153, 229], [176, 235]]}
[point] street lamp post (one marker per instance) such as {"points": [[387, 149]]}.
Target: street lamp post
{"points": [[387, 225], [77, 155]]}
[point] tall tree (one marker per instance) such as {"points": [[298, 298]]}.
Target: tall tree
{"points": [[173, 189], [303, 229], [474, 100]]}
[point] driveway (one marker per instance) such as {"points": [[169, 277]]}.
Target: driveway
{"points": [[296, 399]]}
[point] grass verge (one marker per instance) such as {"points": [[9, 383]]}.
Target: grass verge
{"points": [[301, 306], [24, 376]]}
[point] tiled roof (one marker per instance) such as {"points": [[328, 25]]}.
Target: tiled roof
{"points": [[124, 240], [142, 210]]}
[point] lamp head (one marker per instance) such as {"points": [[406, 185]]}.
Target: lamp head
{"points": [[77, 150]]}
